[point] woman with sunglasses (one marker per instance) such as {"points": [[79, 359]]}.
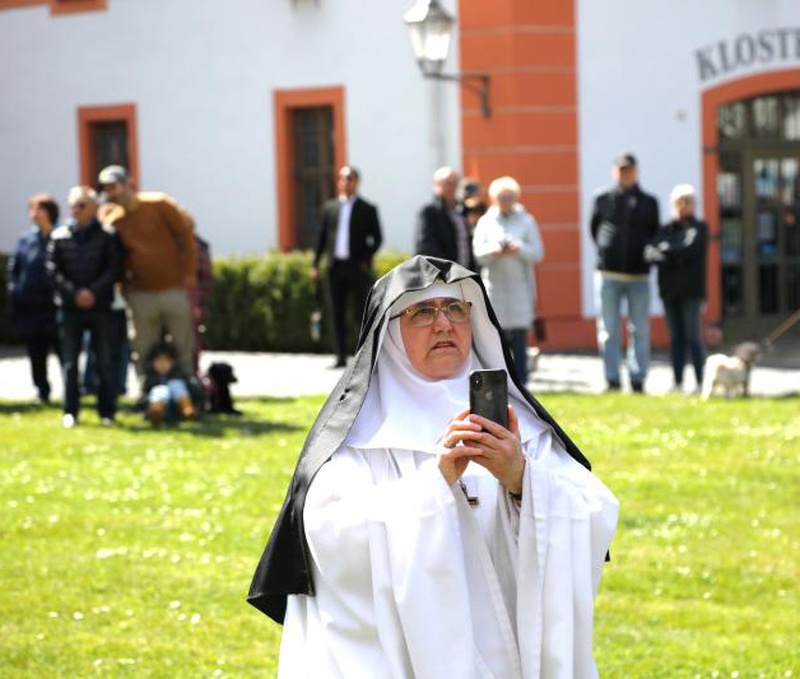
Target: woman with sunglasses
{"points": [[420, 540]]}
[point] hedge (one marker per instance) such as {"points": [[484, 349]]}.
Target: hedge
{"points": [[7, 334], [259, 303], [265, 304]]}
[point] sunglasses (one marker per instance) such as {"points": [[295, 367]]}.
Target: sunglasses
{"points": [[421, 316], [78, 206]]}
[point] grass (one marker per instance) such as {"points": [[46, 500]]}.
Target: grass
{"points": [[128, 552]]}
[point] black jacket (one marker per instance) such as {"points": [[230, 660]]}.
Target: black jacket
{"points": [[623, 223], [436, 234], [684, 246], [285, 566], [87, 257], [365, 232]]}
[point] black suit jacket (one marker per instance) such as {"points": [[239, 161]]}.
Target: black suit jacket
{"points": [[436, 234], [365, 232]]}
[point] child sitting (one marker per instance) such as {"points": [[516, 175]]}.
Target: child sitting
{"points": [[165, 385]]}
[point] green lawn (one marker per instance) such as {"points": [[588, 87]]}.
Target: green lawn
{"points": [[128, 552]]}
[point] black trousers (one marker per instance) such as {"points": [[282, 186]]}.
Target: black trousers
{"points": [[348, 280], [100, 324], [39, 346]]}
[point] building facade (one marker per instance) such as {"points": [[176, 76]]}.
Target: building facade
{"points": [[244, 110]]}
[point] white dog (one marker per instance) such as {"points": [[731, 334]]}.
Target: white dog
{"points": [[731, 374]]}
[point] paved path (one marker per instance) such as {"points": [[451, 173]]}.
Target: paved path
{"points": [[263, 374]]}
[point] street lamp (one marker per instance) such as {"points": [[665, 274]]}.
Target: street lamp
{"points": [[430, 29]]}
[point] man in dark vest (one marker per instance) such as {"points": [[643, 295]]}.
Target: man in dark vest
{"points": [[349, 237]]}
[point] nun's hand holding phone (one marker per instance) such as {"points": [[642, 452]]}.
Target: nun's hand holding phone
{"points": [[488, 444], [500, 450], [454, 458]]}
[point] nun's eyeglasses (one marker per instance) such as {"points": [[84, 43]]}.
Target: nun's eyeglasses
{"points": [[423, 316]]}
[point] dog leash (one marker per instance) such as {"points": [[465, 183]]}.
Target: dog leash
{"points": [[782, 328]]}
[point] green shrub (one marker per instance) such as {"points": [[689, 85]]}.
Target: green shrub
{"points": [[259, 303], [7, 334], [265, 303]]}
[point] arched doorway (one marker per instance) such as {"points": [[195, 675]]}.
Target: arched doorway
{"points": [[752, 201]]}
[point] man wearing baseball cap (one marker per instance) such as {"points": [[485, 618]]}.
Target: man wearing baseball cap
{"points": [[624, 219], [159, 264]]}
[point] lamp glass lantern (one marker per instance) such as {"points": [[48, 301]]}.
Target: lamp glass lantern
{"points": [[430, 29]]}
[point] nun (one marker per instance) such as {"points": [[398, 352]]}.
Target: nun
{"points": [[420, 540]]}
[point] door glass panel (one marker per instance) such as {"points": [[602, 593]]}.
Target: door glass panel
{"points": [[766, 234], [792, 287], [789, 181], [766, 116], [732, 291], [791, 117], [768, 288], [732, 119], [791, 234], [766, 177], [731, 240], [729, 187]]}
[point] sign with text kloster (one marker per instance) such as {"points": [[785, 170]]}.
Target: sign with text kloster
{"points": [[771, 46]]}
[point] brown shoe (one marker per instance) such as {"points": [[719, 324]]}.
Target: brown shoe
{"points": [[156, 412], [186, 407]]}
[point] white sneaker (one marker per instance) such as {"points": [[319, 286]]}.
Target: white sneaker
{"points": [[68, 421], [106, 422], [676, 389]]}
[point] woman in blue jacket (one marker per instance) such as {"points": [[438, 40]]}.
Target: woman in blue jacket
{"points": [[30, 292]]}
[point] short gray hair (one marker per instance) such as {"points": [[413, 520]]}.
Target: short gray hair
{"points": [[83, 192]]}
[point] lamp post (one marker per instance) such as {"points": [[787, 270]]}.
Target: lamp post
{"points": [[430, 29]]}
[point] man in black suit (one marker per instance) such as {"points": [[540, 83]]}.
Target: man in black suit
{"points": [[349, 238], [441, 231]]}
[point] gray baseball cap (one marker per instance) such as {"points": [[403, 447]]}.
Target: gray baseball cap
{"points": [[111, 174], [625, 160]]}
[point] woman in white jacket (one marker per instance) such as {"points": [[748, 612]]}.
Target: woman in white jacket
{"points": [[507, 245]]}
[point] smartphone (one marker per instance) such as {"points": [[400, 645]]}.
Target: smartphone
{"points": [[488, 395]]}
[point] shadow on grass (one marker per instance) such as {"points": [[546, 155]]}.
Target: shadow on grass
{"points": [[213, 426], [22, 407], [132, 419]]}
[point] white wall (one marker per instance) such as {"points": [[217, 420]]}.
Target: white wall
{"points": [[202, 75], [639, 89]]}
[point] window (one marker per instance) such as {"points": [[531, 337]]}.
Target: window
{"points": [[107, 137], [310, 146], [312, 136]]}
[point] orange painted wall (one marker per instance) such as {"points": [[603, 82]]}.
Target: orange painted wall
{"points": [[528, 49], [58, 6]]}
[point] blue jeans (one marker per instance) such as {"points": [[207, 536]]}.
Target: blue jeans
{"points": [[517, 339], [171, 392], [683, 319], [609, 334]]}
